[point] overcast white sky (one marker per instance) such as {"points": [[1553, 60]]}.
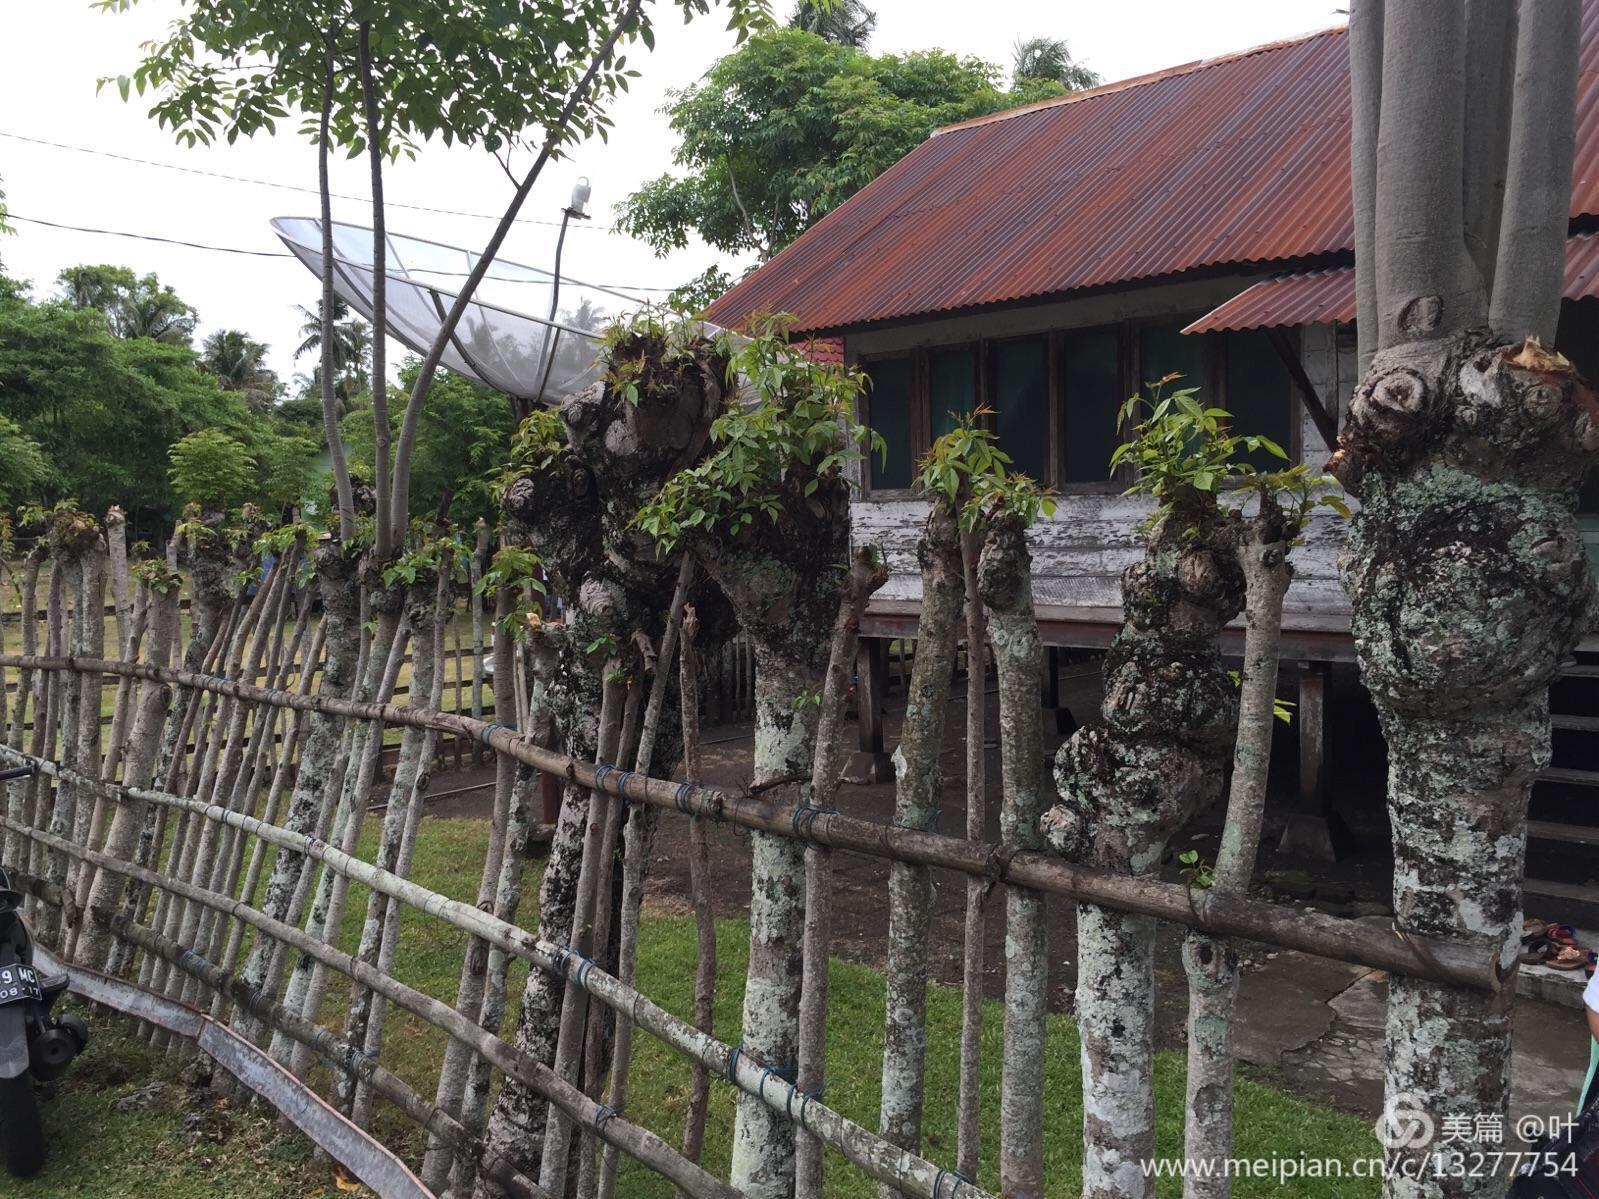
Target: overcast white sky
{"points": [[56, 50]]}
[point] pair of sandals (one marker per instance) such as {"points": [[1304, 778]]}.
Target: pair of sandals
{"points": [[1554, 945]]}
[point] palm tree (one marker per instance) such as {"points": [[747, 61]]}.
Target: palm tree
{"points": [[239, 363], [1047, 58], [846, 22], [352, 348]]}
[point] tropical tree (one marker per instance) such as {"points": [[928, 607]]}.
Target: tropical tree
{"points": [[1049, 60], [1465, 440], [789, 126], [349, 348], [105, 410], [211, 469], [22, 464], [845, 22], [133, 306], [239, 363], [379, 79]]}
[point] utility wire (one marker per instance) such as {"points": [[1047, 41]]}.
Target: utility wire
{"points": [[293, 187], [195, 245]]}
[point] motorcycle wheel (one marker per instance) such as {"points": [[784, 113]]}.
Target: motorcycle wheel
{"points": [[21, 1131]]}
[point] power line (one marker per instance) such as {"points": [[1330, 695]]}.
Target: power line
{"points": [[195, 245], [293, 187]]}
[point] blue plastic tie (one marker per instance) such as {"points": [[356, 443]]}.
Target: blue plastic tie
{"points": [[603, 1116], [483, 733], [684, 790], [732, 1063]]}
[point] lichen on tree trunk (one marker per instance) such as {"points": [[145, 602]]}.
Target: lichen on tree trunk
{"points": [[1125, 786], [1470, 584], [919, 786]]}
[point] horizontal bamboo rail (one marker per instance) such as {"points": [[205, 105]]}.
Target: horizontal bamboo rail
{"points": [[634, 1140], [911, 1174], [1475, 967]]}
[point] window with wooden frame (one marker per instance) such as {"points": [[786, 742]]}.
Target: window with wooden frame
{"points": [[1055, 397], [891, 411]]}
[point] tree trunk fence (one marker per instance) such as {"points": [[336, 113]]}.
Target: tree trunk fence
{"points": [[73, 833]]}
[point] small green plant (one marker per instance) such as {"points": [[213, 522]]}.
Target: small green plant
{"points": [[153, 573], [1182, 447], [799, 429], [605, 645], [1282, 709], [967, 462], [806, 699], [211, 468], [539, 441], [1196, 872]]}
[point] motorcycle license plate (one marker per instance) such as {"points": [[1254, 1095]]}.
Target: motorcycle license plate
{"points": [[18, 983]]}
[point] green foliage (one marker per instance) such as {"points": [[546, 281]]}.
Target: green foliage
{"points": [[460, 444], [452, 69], [22, 464], [427, 555], [1049, 60], [842, 22], [239, 363], [539, 442], [700, 292], [211, 468], [967, 469], [799, 423], [154, 574], [1196, 871], [789, 126], [1182, 447], [105, 411], [133, 306]]}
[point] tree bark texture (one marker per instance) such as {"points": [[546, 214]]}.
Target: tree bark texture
{"points": [[1126, 785], [1212, 962], [918, 794], [1005, 580]]}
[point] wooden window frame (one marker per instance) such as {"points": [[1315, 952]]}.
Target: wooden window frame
{"points": [[1213, 381]]}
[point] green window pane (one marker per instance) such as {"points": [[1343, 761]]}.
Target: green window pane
{"points": [[1092, 377], [951, 387], [1164, 350], [888, 406], [1258, 395], [1021, 397]]}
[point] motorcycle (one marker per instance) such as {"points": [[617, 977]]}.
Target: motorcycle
{"points": [[35, 1046]]}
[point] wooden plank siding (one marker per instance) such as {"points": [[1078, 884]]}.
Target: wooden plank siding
{"points": [[1080, 552]]}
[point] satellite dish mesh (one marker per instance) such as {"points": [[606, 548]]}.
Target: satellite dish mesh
{"points": [[496, 342]]}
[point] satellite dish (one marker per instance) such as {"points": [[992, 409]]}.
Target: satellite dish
{"points": [[497, 342]]}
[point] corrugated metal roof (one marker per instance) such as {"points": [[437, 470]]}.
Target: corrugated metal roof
{"points": [[1314, 297], [1309, 298], [1232, 161]]}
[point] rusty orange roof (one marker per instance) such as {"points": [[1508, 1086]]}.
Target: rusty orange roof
{"points": [[1327, 296], [1226, 163]]}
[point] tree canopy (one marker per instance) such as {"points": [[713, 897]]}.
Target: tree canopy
{"points": [[103, 411], [846, 22], [133, 305], [461, 439], [238, 362], [789, 126], [1048, 60]]}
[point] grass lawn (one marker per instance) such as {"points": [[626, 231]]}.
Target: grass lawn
{"points": [[138, 1154]]}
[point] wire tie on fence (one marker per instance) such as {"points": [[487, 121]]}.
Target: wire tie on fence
{"points": [[599, 776], [684, 790], [783, 1073], [585, 968], [603, 1115], [732, 1063], [621, 788], [805, 815], [483, 733]]}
